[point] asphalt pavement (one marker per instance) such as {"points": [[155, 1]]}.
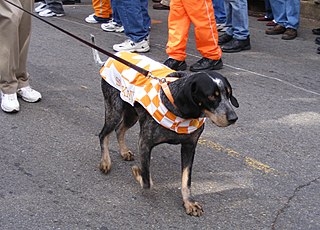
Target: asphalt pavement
{"points": [[261, 173]]}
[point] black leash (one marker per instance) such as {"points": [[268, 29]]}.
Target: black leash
{"points": [[137, 68]]}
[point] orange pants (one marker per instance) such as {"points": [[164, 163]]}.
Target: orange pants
{"points": [[201, 14], [102, 8]]}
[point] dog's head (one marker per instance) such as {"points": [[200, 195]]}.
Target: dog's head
{"points": [[208, 93]]}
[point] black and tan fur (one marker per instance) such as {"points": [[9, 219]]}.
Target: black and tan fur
{"points": [[200, 94]]}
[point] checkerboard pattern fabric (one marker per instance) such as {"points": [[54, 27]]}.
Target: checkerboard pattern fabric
{"points": [[134, 87]]}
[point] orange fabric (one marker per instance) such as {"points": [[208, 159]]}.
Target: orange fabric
{"points": [[201, 14], [102, 8], [134, 86]]}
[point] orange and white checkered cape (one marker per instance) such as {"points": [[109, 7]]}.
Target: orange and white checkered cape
{"points": [[134, 86]]}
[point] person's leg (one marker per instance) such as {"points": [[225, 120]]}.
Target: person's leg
{"points": [[145, 15], [240, 20], [279, 11], [9, 50], [55, 6], [115, 24], [240, 39], [293, 14], [178, 29], [268, 8], [132, 18], [206, 35], [130, 13], [115, 14], [228, 10], [205, 30], [24, 41], [219, 11], [102, 8], [24, 90], [102, 12]]}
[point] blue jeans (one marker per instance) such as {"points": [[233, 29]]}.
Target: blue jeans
{"points": [[219, 11], [286, 13], [134, 18], [237, 18], [115, 14]]}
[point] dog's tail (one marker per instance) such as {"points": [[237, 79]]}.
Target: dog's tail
{"points": [[95, 53]]}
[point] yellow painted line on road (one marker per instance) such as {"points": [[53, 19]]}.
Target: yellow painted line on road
{"points": [[249, 161]]}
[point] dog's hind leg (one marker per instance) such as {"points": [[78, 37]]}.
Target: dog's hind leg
{"points": [[130, 117], [105, 162], [142, 175], [113, 116], [187, 156]]}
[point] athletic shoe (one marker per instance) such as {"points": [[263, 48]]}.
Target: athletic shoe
{"points": [[175, 64], [131, 46], [205, 64], [112, 27], [40, 7], [95, 19], [9, 103], [49, 13], [28, 94]]}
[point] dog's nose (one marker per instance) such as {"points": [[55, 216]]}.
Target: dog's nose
{"points": [[232, 117]]}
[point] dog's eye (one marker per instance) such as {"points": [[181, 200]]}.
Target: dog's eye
{"points": [[217, 93]]}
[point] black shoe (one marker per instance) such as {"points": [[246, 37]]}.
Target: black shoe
{"points": [[175, 64], [316, 31], [159, 6], [318, 50], [317, 41], [224, 38], [236, 45], [206, 64]]}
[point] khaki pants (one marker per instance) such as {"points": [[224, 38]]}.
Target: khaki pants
{"points": [[15, 28], [201, 14]]}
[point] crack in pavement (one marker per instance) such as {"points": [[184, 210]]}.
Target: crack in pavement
{"points": [[286, 205]]}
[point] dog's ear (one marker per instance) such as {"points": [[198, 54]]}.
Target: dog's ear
{"points": [[185, 102], [225, 81], [192, 94]]}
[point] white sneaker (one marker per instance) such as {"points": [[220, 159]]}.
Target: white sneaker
{"points": [[49, 13], [112, 27], [28, 94], [9, 103], [131, 46], [40, 7], [94, 19], [91, 19]]}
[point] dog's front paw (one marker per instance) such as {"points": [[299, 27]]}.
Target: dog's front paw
{"points": [[105, 166], [193, 208], [127, 156]]}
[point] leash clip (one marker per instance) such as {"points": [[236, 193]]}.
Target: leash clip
{"points": [[161, 80]]}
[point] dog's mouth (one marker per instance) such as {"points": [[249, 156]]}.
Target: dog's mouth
{"points": [[222, 120]]}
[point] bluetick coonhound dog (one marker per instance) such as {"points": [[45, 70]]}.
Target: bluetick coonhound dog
{"points": [[196, 95]]}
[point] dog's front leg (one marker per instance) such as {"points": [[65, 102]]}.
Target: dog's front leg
{"points": [[187, 155], [142, 175]]}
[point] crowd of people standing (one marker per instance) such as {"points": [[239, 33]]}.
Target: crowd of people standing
{"points": [[131, 18]]}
